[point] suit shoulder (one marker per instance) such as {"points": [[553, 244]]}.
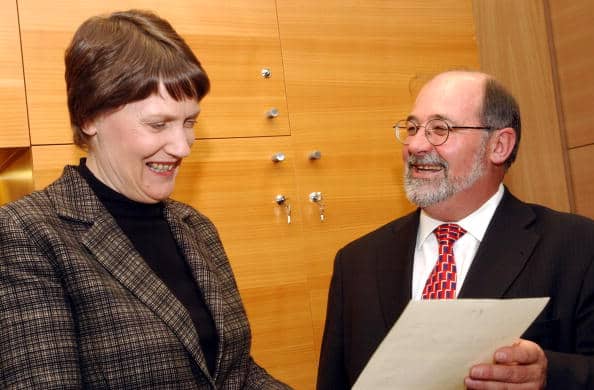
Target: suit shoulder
{"points": [[380, 235], [559, 220]]}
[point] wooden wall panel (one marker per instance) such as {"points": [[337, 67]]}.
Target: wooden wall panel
{"points": [[513, 44], [582, 171], [352, 69], [49, 162], [15, 173], [13, 108], [233, 39], [573, 48], [572, 25]]}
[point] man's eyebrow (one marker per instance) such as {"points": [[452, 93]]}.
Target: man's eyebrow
{"points": [[413, 118]]}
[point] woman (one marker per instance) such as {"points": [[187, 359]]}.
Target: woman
{"points": [[105, 281]]}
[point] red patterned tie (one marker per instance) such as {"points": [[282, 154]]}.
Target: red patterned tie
{"points": [[441, 284]]}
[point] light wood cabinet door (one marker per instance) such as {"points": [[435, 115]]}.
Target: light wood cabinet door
{"points": [[13, 108], [233, 39], [352, 70]]}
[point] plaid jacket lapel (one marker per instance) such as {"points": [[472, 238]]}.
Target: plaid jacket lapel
{"points": [[196, 254], [110, 246], [202, 248]]}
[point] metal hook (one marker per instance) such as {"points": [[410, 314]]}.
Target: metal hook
{"points": [[316, 197], [280, 200]]}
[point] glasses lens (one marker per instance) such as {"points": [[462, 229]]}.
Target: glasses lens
{"points": [[404, 129], [437, 131]]}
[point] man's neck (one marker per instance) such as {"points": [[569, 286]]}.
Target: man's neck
{"points": [[462, 204]]}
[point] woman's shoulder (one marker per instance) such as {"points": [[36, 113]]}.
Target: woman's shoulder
{"points": [[43, 206], [34, 205]]}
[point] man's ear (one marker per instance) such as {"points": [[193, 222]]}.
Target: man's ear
{"points": [[502, 144]]}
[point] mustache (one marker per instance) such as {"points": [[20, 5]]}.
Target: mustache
{"points": [[426, 159]]}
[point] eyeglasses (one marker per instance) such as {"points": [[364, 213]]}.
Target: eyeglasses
{"points": [[437, 131]]}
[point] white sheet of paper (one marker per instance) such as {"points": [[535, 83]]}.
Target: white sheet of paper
{"points": [[435, 342]]}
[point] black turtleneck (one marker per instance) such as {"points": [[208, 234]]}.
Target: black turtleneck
{"points": [[145, 225]]}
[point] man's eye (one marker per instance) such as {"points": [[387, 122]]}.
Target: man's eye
{"points": [[440, 130]]}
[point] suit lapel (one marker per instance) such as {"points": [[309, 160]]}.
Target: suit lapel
{"points": [[502, 255], [196, 254], [109, 246], [395, 267]]}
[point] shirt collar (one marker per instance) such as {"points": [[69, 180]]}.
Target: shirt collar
{"points": [[475, 223]]}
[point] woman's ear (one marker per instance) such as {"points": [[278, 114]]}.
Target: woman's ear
{"points": [[502, 144], [90, 128]]}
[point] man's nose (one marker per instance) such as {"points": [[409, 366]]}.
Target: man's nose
{"points": [[418, 143]]}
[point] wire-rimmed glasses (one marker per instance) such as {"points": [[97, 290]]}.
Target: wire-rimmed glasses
{"points": [[437, 130]]}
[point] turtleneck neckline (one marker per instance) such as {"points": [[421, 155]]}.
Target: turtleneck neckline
{"points": [[116, 203]]}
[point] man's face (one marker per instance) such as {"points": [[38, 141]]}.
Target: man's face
{"points": [[436, 173]]}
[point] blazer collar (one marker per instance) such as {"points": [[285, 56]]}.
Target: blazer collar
{"points": [[73, 198], [501, 256], [395, 266], [107, 243], [199, 258]]}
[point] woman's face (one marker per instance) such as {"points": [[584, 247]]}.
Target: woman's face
{"points": [[137, 149]]}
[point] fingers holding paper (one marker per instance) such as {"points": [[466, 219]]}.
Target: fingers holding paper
{"points": [[522, 365]]}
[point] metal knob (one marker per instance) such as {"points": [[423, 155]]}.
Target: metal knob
{"points": [[315, 155], [315, 197], [272, 113], [278, 157], [266, 73], [280, 199]]}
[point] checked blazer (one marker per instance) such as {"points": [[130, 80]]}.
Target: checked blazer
{"points": [[81, 309], [527, 251]]}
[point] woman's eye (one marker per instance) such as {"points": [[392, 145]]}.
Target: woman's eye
{"points": [[190, 123], [158, 125]]}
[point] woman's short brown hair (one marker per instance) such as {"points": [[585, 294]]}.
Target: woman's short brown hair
{"points": [[121, 58]]}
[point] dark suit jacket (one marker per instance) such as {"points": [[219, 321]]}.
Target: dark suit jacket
{"points": [[81, 309], [527, 251]]}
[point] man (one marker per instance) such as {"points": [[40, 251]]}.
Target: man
{"points": [[460, 138]]}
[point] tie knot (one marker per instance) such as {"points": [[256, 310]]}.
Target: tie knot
{"points": [[449, 231]]}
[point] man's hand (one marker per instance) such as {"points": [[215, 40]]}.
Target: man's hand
{"points": [[520, 366]]}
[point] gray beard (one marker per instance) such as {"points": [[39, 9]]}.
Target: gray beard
{"points": [[427, 192]]}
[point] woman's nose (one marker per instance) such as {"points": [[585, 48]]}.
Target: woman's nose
{"points": [[180, 143]]}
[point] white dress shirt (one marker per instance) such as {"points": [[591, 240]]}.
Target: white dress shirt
{"points": [[465, 248]]}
